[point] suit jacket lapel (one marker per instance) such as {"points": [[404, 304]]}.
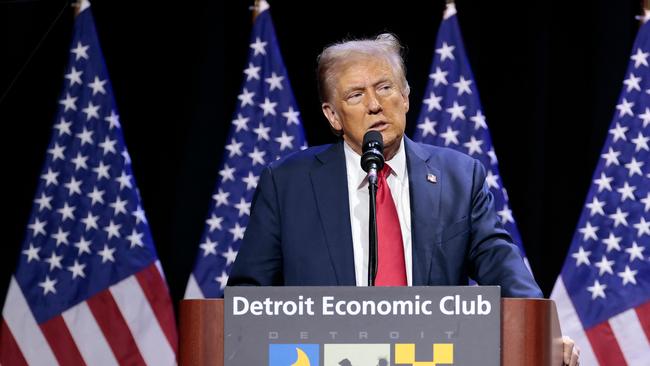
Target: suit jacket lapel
{"points": [[425, 213], [330, 184]]}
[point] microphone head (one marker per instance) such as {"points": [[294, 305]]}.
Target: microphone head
{"points": [[373, 151], [373, 139]]}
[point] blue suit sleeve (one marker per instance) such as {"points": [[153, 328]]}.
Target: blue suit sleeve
{"points": [[259, 261], [493, 257]]}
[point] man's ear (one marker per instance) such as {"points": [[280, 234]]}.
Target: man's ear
{"points": [[406, 102], [332, 116]]}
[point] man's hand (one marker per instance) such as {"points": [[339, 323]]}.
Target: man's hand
{"points": [[571, 352]]}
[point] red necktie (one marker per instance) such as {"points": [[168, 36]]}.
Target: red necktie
{"points": [[391, 270]]}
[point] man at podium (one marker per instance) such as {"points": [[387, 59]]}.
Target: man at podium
{"points": [[309, 218], [436, 222]]}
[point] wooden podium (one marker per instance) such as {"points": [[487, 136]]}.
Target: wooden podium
{"points": [[530, 333]]}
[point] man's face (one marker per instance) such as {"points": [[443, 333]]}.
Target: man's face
{"points": [[367, 96]]}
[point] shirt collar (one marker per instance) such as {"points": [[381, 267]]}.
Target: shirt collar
{"points": [[359, 177]]}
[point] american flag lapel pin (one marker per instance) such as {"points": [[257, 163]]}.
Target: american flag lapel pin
{"points": [[431, 178]]}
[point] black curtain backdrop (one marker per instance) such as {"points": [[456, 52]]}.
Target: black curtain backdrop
{"points": [[549, 75]]}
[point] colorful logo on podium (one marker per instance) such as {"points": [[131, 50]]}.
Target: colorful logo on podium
{"points": [[443, 354], [356, 354], [294, 354]]}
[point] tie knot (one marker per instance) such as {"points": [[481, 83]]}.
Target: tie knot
{"points": [[385, 171]]}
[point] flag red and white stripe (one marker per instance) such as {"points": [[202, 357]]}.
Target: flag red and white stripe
{"points": [[621, 340], [129, 323]]}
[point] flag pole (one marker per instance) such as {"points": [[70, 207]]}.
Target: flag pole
{"points": [[258, 7], [646, 12], [77, 7]]}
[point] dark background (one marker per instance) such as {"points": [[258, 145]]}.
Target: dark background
{"points": [[549, 75]]}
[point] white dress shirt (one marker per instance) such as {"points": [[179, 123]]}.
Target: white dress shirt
{"points": [[358, 197]]}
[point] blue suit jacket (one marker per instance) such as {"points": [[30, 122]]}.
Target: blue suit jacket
{"points": [[299, 230]]}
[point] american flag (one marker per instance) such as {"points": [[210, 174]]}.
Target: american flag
{"points": [[88, 288], [266, 125], [603, 291], [452, 116]]}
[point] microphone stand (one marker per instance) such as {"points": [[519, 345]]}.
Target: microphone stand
{"points": [[372, 225], [372, 160]]}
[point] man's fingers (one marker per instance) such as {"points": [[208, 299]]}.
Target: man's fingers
{"points": [[570, 351], [574, 358]]}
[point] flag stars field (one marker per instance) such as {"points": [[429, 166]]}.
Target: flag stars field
{"points": [[451, 114], [265, 126]]}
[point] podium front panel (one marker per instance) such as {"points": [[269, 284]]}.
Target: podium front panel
{"points": [[362, 326]]}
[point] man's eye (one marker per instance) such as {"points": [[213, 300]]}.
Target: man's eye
{"points": [[385, 89], [354, 97]]}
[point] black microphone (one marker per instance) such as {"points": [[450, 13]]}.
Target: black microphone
{"points": [[372, 158]]}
